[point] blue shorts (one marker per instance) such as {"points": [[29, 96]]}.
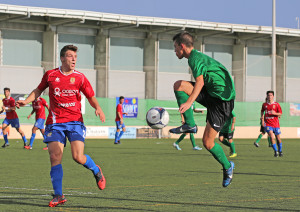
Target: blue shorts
{"points": [[119, 126], [13, 122], [39, 123], [74, 131], [275, 130]]}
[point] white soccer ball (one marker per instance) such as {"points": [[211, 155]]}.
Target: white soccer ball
{"points": [[157, 118]]}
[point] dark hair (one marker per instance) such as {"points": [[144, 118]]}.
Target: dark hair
{"points": [[6, 89], [66, 48], [272, 92], [121, 97], [184, 38]]}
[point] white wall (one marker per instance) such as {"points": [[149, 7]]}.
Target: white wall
{"points": [[20, 79], [292, 90], [126, 83], [91, 76], [166, 82], [256, 88]]}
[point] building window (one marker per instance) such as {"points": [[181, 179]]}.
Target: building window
{"points": [[293, 63], [259, 61], [126, 54], [168, 61], [22, 48]]}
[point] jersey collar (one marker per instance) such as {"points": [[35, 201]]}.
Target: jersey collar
{"points": [[63, 73]]}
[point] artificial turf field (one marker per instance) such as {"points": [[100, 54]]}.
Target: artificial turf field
{"points": [[150, 175]]}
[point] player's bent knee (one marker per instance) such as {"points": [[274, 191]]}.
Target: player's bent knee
{"points": [[177, 85], [55, 158], [207, 145], [79, 159]]}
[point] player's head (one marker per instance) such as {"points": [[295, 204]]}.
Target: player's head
{"points": [[6, 92], [182, 41], [68, 57], [121, 99], [270, 96]]}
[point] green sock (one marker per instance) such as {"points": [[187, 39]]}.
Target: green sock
{"points": [[269, 141], [188, 115], [180, 138], [258, 139], [232, 147], [226, 142], [192, 138], [220, 156]]}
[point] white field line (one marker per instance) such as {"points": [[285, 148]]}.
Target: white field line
{"points": [[36, 189]]}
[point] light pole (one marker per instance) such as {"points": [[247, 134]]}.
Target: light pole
{"points": [[297, 19], [273, 84]]}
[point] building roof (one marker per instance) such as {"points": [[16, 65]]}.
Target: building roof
{"points": [[52, 16]]}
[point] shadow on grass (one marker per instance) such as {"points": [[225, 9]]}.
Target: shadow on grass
{"points": [[31, 201], [216, 207], [245, 173], [20, 202]]}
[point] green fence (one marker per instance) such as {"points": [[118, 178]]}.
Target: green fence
{"points": [[248, 113]]}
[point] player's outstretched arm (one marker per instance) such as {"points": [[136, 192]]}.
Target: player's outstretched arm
{"points": [[10, 109], [233, 123], [3, 109], [276, 114], [262, 118], [98, 111], [182, 118], [34, 94], [32, 112]]}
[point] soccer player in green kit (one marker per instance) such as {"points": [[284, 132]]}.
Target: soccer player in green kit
{"points": [[214, 89], [226, 134]]}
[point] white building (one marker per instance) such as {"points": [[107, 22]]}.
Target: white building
{"points": [[134, 55]]}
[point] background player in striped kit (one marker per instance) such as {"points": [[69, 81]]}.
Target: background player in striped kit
{"points": [[11, 117]]}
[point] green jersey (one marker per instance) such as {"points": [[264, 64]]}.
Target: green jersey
{"points": [[227, 126], [217, 79]]}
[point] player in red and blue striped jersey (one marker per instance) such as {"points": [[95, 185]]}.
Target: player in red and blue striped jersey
{"points": [[65, 118], [119, 121], [11, 117], [38, 107], [270, 112]]}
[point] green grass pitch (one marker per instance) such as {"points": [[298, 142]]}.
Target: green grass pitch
{"points": [[150, 175]]}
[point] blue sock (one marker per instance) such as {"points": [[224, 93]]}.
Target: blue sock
{"points": [[280, 147], [32, 139], [56, 174], [121, 133], [90, 164], [116, 136], [24, 139], [275, 147], [5, 138]]}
